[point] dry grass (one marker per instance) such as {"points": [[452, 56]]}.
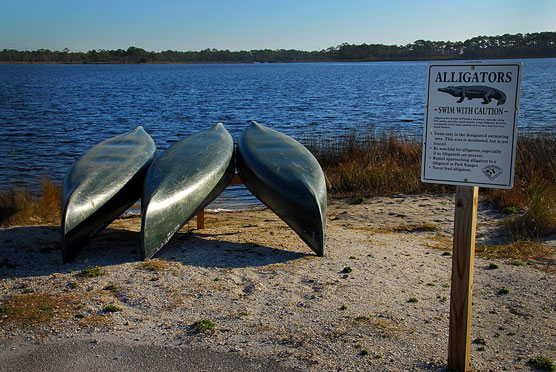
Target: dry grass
{"points": [[440, 242], [368, 165], [411, 228], [155, 265], [22, 207], [36, 308], [523, 250]]}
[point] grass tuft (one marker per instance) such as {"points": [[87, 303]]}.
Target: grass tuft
{"points": [[204, 326], [154, 265], [20, 206], [347, 270], [111, 309], [543, 363], [91, 272]]}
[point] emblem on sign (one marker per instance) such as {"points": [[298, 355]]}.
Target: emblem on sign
{"points": [[492, 171]]}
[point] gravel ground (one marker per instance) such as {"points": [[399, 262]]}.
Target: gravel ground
{"points": [[377, 301]]}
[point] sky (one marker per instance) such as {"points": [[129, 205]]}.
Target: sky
{"points": [[183, 25]]}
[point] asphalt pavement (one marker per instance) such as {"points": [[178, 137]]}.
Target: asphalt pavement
{"points": [[87, 355]]}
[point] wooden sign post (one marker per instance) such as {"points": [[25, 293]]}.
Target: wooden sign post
{"points": [[469, 140], [465, 221]]}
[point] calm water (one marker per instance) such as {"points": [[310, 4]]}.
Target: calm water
{"points": [[51, 114]]}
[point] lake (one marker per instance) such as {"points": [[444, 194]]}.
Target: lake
{"points": [[51, 114]]}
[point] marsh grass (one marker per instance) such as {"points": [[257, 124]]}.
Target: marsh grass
{"points": [[20, 206], [365, 164]]}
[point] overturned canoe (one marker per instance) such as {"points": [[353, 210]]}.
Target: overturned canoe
{"points": [[286, 177], [101, 185], [181, 182]]}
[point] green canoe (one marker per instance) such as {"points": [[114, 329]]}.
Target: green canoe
{"points": [[286, 177], [181, 182], [101, 185]]}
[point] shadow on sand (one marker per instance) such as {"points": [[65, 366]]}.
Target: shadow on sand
{"points": [[35, 251]]}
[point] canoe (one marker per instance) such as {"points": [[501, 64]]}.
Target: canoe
{"points": [[101, 185], [182, 181], [286, 177]]}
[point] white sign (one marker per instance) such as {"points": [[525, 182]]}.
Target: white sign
{"points": [[470, 130]]}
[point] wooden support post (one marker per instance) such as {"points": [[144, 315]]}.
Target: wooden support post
{"points": [[465, 221], [236, 180], [201, 219]]}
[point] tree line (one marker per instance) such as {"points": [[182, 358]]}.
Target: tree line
{"points": [[530, 45]]}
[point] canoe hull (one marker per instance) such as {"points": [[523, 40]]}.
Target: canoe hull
{"points": [[286, 177], [181, 182], [101, 185]]}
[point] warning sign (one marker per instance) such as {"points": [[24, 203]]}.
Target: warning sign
{"points": [[471, 119]]}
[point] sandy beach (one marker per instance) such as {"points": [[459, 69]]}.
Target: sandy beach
{"points": [[377, 301]]}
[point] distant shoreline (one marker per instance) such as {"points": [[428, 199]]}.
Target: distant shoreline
{"points": [[518, 46], [256, 62]]}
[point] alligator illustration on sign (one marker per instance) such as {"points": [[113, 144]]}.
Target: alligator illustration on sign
{"points": [[476, 91]]}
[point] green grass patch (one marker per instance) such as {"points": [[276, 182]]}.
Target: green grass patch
{"points": [[204, 326], [111, 309], [347, 270], [543, 363], [111, 288], [91, 272]]}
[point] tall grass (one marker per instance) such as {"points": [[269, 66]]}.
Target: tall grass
{"points": [[365, 164], [23, 207]]}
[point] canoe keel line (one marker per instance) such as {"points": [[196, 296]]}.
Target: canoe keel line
{"points": [[185, 178]]}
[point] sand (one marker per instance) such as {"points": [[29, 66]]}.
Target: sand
{"points": [[377, 301]]}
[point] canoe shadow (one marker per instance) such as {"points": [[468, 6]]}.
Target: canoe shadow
{"points": [[209, 250], [35, 251]]}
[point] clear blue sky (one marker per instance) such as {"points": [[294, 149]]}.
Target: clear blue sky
{"points": [[156, 25]]}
